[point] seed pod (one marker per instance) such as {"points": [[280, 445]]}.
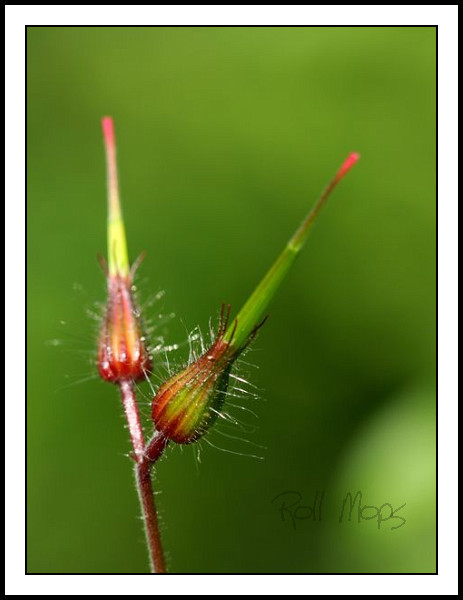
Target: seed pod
{"points": [[122, 351], [188, 403]]}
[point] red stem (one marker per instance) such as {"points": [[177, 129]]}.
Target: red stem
{"points": [[145, 457], [145, 490], [129, 403]]}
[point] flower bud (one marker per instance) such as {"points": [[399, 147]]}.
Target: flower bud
{"points": [[188, 403], [122, 353]]}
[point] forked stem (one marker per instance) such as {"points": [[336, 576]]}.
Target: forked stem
{"points": [[145, 456]]}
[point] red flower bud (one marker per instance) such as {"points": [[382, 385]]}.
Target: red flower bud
{"points": [[122, 352]]}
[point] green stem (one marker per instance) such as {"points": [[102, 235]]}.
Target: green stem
{"points": [[256, 306]]}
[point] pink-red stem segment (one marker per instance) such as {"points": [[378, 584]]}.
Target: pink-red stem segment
{"points": [[145, 455]]}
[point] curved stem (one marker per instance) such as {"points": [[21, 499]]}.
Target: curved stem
{"points": [[145, 457]]}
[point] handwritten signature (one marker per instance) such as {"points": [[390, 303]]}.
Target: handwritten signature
{"points": [[291, 507]]}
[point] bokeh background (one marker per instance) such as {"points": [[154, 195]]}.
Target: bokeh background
{"points": [[225, 138]]}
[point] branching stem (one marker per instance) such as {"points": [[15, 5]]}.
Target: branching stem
{"points": [[145, 456]]}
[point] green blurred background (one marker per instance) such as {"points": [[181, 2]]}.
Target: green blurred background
{"points": [[225, 138]]}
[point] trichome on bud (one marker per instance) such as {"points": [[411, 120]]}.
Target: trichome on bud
{"points": [[188, 403]]}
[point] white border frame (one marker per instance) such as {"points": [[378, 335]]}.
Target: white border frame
{"points": [[446, 18]]}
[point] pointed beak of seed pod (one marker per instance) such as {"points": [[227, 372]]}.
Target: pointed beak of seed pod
{"points": [[122, 352]]}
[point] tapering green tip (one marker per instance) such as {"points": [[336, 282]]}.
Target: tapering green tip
{"points": [[118, 260], [256, 306]]}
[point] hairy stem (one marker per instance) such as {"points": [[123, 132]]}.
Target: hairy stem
{"points": [[145, 457], [145, 491], [129, 403]]}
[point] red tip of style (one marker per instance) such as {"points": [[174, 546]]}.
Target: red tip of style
{"points": [[347, 165], [107, 124]]}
